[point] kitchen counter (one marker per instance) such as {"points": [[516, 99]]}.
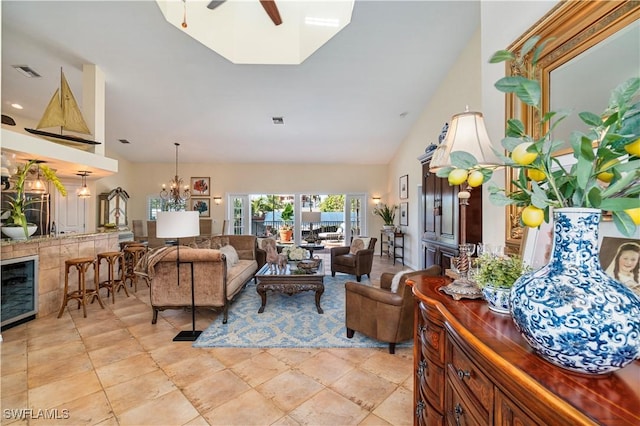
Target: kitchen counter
{"points": [[52, 253]]}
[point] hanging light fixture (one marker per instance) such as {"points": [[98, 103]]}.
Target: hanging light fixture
{"points": [[38, 186], [84, 191], [175, 195]]}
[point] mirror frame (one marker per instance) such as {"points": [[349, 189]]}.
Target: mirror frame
{"points": [[571, 27]]}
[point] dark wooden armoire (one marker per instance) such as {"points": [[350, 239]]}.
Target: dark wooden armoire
{"points": [[442, 225]]}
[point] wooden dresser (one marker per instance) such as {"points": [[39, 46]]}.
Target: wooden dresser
{"points": [[472, 367]]}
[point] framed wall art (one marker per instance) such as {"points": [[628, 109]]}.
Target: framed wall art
{"points": [[202, 206], [404, 187], [404, 214], [200, 186]]}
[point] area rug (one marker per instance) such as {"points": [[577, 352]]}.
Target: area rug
{"points": [[288, 321]]}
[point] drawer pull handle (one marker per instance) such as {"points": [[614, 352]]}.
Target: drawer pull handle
{"points": [[459, 412], [463, 374], [422, 367]]}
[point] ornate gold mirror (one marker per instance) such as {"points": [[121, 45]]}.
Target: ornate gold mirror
{"points": [[593, 46]]}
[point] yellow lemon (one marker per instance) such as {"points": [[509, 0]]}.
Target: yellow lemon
{"points": [[532, 216], [521, 156], [606, 176], [635, 215], [457, 176], [633, 148], [535, 174], [475, 178]]}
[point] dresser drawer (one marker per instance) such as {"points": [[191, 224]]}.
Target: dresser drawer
{"points": [[432, 383], [470, 380], [459, 409], [432, 337]]}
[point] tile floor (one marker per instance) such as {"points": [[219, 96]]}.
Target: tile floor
{"points": [[116, 368]]}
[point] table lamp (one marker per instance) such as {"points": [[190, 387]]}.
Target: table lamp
{"points": [[467, 133]]}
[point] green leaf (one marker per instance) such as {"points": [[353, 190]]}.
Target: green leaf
{"points": [[528, 45], [539, 197], [499, 199], [622, 94], [583, 171], [509, 143], [515, 128], [463, 160], [529, 92], [619, 204], [590, 119], [624, 223], [620, 184], [501, 56], [594, 197], [539, 49], [510, 84], [444, 172]]}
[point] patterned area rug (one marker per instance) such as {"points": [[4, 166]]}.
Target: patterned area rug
{"points": [[288, 321]]}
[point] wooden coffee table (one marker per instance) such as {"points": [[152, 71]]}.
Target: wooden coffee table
{"points": [[290, 283]]}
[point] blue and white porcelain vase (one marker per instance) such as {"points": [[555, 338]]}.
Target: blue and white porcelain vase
{"points": [[570, 311]]}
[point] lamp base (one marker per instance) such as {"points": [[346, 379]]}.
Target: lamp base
{"points": [[187, 336], [462, 288]]}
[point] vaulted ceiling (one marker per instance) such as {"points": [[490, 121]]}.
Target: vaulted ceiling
{"points": [[352, 101]]}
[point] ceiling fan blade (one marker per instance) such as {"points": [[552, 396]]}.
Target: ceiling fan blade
{"points": [[215, 3], [272, 10]]}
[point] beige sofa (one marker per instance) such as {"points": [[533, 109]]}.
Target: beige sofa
{"points": [[216, 280]]}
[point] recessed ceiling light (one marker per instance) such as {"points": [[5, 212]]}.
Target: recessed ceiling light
{"points": [[27, 71], [278, 120], [404, 114], [17, 106]]}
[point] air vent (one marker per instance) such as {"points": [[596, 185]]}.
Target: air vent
{"points": [[277, 120], [27, 71], [124, 141]]}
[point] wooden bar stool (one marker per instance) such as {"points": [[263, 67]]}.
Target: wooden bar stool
{"points": [[82, 294], [132, 254], [112, 283]]}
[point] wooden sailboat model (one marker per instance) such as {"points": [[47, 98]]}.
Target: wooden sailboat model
{"points": [[63, 112]]}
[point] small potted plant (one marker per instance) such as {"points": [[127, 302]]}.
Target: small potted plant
{"points": [[495, 277], [387, 213], [286, 230], [19, 205]]}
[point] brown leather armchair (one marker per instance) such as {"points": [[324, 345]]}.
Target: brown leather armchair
{"points": [[381, 314], [358, 264]]}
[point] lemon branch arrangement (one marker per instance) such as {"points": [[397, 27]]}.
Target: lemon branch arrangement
{"points": [[19, 205], [605, 174]]}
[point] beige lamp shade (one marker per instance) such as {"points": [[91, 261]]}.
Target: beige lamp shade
{"points": [[467, 133], [178, 224]]}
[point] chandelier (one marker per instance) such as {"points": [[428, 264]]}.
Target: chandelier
{"points": [[176, 195]]}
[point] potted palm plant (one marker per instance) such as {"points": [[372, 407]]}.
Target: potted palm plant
{"points": [[495, 277], [16, 225], [387, 213]]}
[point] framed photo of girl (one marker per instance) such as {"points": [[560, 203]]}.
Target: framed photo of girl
{"points": [[620, 259]]}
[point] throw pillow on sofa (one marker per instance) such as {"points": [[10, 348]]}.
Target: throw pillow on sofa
{"points": [[202, 244], [218, 242], [230, 254], [359, 244]]}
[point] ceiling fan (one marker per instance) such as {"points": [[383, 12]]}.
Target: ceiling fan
{"points": [[268, 5]]}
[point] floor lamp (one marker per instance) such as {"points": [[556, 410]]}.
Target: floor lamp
{"points": [[178, 225], [467, 133]]}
